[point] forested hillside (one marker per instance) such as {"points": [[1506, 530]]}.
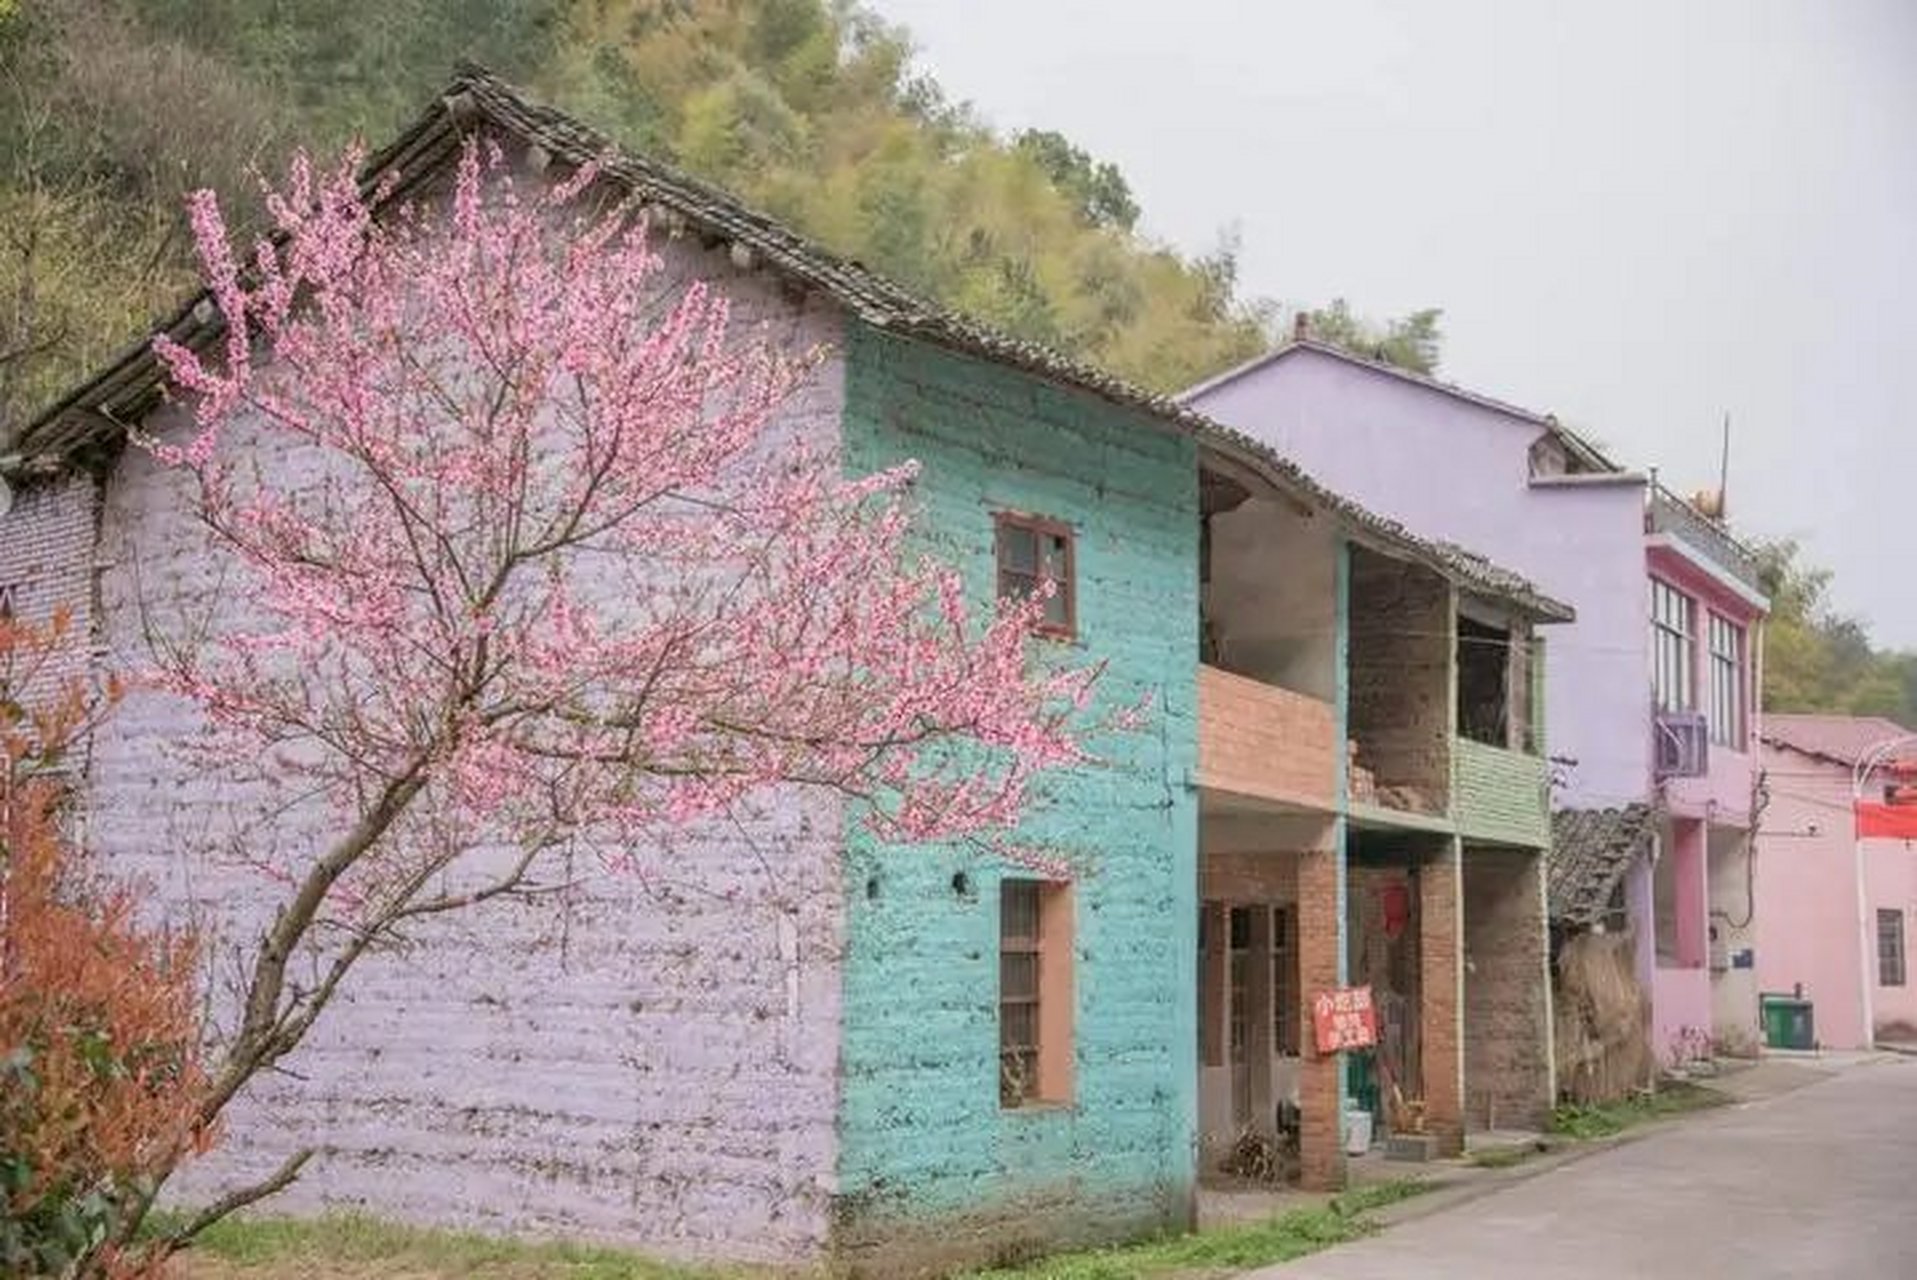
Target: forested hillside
{"points": [[111, 110], [807, 108]]}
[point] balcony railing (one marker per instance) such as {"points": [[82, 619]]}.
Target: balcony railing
{"points": [[1259, 741], [1500, 795], [1672, 515]]}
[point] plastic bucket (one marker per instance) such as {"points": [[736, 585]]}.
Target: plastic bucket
{"points": [[1357, 1132]]}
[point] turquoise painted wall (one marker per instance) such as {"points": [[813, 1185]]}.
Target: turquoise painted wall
{"points": [[931, 1169]]}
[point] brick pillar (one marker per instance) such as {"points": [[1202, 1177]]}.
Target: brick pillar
{"points": [[1440, 984], [1321, 1145]]}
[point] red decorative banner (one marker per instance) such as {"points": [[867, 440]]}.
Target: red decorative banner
{"points": [[1895, 821], [1344, 1019]]}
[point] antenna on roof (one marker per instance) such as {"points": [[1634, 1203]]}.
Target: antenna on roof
{"points": [[1724, 470]]}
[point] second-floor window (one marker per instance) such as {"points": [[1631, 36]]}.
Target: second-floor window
{"points": [[1727, 682], [1031, 551], [1673, 648]]}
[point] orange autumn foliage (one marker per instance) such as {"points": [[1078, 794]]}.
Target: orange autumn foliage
{"points": [[99, 1012]]}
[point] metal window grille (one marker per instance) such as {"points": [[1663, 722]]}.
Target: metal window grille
{"points": [[1018, 959], [1890, 948]]}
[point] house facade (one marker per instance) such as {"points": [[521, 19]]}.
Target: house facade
{"points": [[1647, 836], [904, 1058], [1835, 908]]}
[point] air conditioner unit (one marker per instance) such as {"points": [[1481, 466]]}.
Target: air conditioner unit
{"points": [[1683, 748]]}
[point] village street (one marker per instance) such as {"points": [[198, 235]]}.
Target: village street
{"points": [[1815, 1182]]}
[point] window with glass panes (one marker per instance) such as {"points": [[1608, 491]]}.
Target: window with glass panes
{"points": [[1726, 640], [1672, 647], [1890, 948], [1032, 551]]}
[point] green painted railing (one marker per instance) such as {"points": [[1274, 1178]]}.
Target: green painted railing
{"points": [[1499, 795]]}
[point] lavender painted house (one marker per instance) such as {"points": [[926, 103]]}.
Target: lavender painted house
{"points": [[1650, 706], [891, 1059]]}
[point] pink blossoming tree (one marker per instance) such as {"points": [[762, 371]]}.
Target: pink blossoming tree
{"points": [[555, 575]]}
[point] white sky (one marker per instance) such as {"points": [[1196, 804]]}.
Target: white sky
{"points": [[1637, 215]]}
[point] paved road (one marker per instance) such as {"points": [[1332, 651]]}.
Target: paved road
{"points": [[1819, 1182]]}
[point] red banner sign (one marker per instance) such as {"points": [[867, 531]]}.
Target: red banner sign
{"points": [[1886, 821], [1344, 1019]]}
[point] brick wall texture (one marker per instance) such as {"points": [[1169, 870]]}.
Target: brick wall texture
{"points": [[1439, 981], [1320, 1143], [46, 564], [1499, 795], [1400, 676], [652, 1059], [1507, 997], [932, 1171], [1256, 739]]}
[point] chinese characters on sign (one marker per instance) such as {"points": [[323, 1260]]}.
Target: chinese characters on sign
{"points": [[1344, 1019]]}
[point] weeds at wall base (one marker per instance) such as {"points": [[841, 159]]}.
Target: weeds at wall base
{"points": [[356, 1247]]}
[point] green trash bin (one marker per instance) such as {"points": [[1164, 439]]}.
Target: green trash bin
{"points": [[1789, 1022]]}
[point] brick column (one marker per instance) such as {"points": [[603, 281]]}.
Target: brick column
{"points": [[1321, 1145], [1440, 983]]}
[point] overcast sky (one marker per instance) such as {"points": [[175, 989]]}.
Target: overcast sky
{"points": [[1636, 215]]}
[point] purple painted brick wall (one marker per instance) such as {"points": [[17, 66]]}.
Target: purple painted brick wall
{"points": [[649, 1062]]}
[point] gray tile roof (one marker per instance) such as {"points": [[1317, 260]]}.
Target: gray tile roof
{"points": [[92, 418], [1591, 850]]}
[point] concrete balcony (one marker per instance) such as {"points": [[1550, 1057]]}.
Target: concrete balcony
{"points": [[1261, 743], [1499, 795]]}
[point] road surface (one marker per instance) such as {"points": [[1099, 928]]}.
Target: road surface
{"points": [[1818, 1182]]}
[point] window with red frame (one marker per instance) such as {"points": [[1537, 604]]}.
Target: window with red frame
{"points": [[1032, 551]]}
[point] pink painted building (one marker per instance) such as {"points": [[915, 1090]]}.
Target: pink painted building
{"points": [[1844, 950], [1705, 616]]}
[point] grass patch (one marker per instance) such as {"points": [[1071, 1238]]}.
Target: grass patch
{"points": [[1227, 1249], [355, 1247], [343, 1246], [1602, 1119]]}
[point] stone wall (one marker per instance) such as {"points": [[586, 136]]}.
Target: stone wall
{"points": [[1507, 993], [651, 1058], [933, 1172]]}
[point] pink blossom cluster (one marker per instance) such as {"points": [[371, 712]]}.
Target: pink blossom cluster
{"points": [[559, 571]]}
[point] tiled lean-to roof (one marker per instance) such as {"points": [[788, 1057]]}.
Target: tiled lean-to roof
{"points": [[1591, 850], [92, 418], [1844, 740]]}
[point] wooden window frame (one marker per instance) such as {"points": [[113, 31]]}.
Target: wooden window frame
{"points": [[1040, 527], [1053, 1001]]}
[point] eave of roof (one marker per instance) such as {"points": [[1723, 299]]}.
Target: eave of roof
{"points": [[1582, 449], [94, 415]]}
